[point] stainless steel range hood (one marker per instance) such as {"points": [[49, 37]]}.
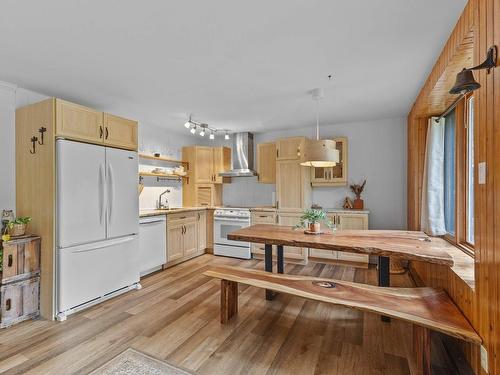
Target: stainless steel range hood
{"points": [[242, 156]]}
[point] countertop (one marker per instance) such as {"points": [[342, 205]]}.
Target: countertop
{"points": [[153, 212]]}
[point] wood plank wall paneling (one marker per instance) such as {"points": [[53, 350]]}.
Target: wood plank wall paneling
{"points": [[481, 305]]}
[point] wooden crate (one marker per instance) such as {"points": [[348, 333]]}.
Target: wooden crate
{"points": [[19, 301], [21, 259]]}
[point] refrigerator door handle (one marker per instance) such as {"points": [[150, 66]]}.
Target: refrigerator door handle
{"points": [[111, 194], [99, 245], [101, 193]]}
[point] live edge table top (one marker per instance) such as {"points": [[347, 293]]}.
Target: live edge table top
{"points": [[408, 245]]}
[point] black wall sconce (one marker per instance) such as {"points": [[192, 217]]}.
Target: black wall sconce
{"points": [[465, 81]]}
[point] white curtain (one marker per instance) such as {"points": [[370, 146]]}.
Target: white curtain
{"points": [[432, 210]]}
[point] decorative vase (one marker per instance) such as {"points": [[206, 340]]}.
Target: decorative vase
{"points": [[358, 204], [17, 230], [314, 227]]}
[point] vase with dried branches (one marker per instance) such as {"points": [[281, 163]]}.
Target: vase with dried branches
{"points": [[357, 190]]}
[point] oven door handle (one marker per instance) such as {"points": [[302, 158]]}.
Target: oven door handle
{"points": [[232, 219]]}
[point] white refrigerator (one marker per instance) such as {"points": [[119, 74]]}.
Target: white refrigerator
{"points": [[97, 224]]}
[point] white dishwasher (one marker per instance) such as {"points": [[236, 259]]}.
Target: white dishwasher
{"points": [[152, 243]]}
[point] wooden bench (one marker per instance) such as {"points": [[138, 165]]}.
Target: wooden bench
{"points": [[426, 308]]}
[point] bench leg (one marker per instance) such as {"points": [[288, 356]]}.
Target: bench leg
{"points": [[268, 264], [384, 277], [422, 349], [228, 300]]}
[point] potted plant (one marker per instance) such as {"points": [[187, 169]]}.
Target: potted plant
{"points": [[18, 226], [311, 219], [357, 190]]}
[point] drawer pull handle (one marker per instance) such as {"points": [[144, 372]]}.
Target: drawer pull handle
{"points": [[10, 261], [8, 304], [262, 215]]}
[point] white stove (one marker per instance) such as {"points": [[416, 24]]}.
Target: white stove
{"points": [[227, 220]]}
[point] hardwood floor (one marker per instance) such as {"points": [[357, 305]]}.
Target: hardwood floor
{"points": [[176, 317]]}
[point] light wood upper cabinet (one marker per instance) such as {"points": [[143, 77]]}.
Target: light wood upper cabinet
{"points": [[266, 162], [78, 122], [120, 132], [333, 176], [222, 163], [74, 121], [293, 187], [204, 165], [290, 148]]}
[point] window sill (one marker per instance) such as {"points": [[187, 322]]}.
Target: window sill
{"points": [[463, 265]]}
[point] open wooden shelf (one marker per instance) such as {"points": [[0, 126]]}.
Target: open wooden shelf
{"points": [[160, 158], [162, 175]]}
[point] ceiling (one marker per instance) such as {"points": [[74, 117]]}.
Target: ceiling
{"points": [[240, 65]]}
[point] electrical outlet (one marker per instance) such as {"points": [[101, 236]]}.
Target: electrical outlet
{"points": [[484, 359], [481, 174]]}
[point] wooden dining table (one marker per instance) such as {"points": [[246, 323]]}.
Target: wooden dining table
{"points": [[386, 244]]}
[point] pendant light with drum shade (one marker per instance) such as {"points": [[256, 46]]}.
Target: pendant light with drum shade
{"points": [[320, 153]]}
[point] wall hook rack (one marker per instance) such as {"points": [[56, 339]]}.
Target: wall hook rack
{"points": [[42, 130], [33, 144]]}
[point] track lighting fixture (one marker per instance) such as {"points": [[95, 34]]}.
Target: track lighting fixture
{"points": [[204, 129]]}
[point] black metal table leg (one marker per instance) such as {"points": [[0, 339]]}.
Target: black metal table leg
{"points": [[281, 263], [268, 262], [384, 277]]}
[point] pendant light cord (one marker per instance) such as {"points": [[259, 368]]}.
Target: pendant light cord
{"points": [[317, 119]]}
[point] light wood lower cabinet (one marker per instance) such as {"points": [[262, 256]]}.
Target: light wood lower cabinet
{"points": [[202, 230], [346, 221], [175, 241], [292, 252], [261, 217], [183, 237]]}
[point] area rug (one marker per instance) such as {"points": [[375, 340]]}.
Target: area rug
{"points": [[133, 362]]}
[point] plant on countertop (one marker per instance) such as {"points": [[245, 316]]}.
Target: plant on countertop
{"points": [[312, 218], [357, 190], [20, 220]]}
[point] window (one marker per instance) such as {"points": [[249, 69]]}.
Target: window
{"points": [[459, 175], [469, 220], [449, 173]]}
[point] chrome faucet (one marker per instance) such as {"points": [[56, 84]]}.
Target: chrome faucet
{"points": [[161, 206]]}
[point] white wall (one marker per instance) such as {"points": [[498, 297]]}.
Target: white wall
{"points": [[11, 97], [376, 151]]}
